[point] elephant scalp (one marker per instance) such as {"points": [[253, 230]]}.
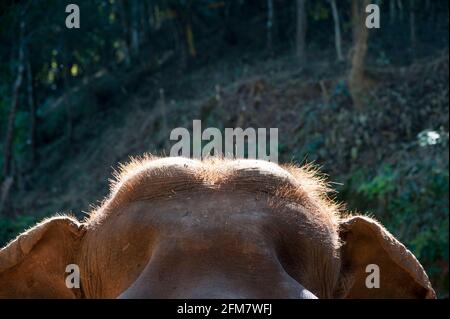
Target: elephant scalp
{"points": [[151, 178]]}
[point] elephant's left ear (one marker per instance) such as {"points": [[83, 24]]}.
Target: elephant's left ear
{"points": [[33, 265], [376, 265]]}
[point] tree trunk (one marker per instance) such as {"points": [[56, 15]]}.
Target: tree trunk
{"points": [[8, 148], [135, 43], [66, 93], [190, 40], [32, 107], [4, 193], [392, 11], [163, 110], [337, 31], [270, 23], [124, 21], [176, 30], [357, 80], [412, 27], [14, 106], [145, 21], [301, 30], [400, 9]]}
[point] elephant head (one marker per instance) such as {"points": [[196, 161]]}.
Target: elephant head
{"points": [[179, 228]]}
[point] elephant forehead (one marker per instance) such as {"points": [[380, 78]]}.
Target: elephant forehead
{"points": [[210, 172], [162, 177], [152, 179]]}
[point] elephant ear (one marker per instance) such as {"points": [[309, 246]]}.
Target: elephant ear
{"points": [[369, 250], [33, 265]]}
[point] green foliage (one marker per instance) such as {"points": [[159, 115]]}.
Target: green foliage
{"points": [[380, 185], [319, 11]]}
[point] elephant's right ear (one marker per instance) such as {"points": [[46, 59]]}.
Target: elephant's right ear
{"points": [[376, 265], [33, 265]]}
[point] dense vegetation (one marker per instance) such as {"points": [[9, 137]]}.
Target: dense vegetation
{"points": [[75, 102]]}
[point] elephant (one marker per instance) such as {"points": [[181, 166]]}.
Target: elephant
{"points": [[180, 228]]}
